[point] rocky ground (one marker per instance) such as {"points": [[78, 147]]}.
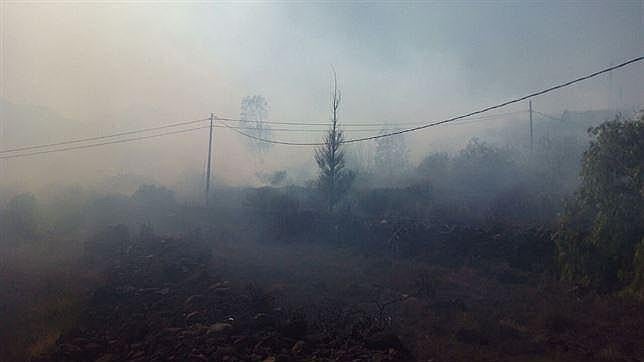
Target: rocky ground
{"points": [[163, 300], [473, 298]]}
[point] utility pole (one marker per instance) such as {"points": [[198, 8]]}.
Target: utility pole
{"points": [[212, 118], [531, 138]]}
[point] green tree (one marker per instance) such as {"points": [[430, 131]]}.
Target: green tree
{"points": [[334, 180], [601, 229]]}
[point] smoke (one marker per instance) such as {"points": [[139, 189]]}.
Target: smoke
{"points": [[86, 69]]}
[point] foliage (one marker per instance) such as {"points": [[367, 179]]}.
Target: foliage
{"points": [[473, 184], [601, 230], [66, 211], [434, 166], [482, 168]]}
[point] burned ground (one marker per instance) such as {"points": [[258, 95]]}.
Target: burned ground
{"points": [[482, 294]]}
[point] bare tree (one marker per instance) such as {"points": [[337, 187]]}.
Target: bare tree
{"points": [[334, 180], [254, 113]]}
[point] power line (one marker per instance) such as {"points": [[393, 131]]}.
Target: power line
{"points": [[125, 133], [377, 124], [103, 143], [270, 141], [500, 105], [387, 126], [456, 118], [305, 130], [238, 129], [82, 140]]}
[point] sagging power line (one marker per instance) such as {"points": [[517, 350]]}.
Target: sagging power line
{"points": [[103, 143], [456, 118], [113, 135], [368, 127], [376, 124], [238, 129]]}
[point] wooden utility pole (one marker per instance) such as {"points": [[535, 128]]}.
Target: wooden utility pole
{"points": [[531, 138], [212, 118]]}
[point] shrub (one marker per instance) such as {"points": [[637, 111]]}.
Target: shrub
{"points": [[600, 233]]}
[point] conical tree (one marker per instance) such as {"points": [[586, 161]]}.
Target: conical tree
{"points": [[334, 180]]}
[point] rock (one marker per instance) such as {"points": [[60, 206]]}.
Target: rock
{"points": [[223, 284], [413, 307], [193, 299], [220, 328], [472, 336], [384, 341], [193, 316], [105, 358], [263, 320], [92, 347], [70, 348], [171, 330], [220, 291], [294, 328], [197, 357], [136, 354], [298, 347]]}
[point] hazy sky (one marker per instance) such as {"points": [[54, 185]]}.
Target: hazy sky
{"points": [[124, 65]]}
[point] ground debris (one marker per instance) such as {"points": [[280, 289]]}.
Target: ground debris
{"points": [[162, 302]]}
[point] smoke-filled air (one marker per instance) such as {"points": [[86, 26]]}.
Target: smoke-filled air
{"points": [[328, 181]]}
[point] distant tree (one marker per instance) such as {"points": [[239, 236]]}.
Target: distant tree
{"points": [[600, 239], [391, 155], [360, 158], [21, 216], [482, 169], [275, 179], [65, 211], [435, 168], [254, 114], [154, 196], [334, 180]]}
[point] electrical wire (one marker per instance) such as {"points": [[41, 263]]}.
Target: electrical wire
{"points": [[286, 143], [456, 118], [385, 126], [379, 124], [238, 129], [20, 155], [82, 140]]}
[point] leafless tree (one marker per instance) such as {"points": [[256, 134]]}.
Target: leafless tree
{"points": [[254, 113]]}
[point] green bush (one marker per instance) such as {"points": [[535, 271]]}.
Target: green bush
{"points": [[599, 237]]}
